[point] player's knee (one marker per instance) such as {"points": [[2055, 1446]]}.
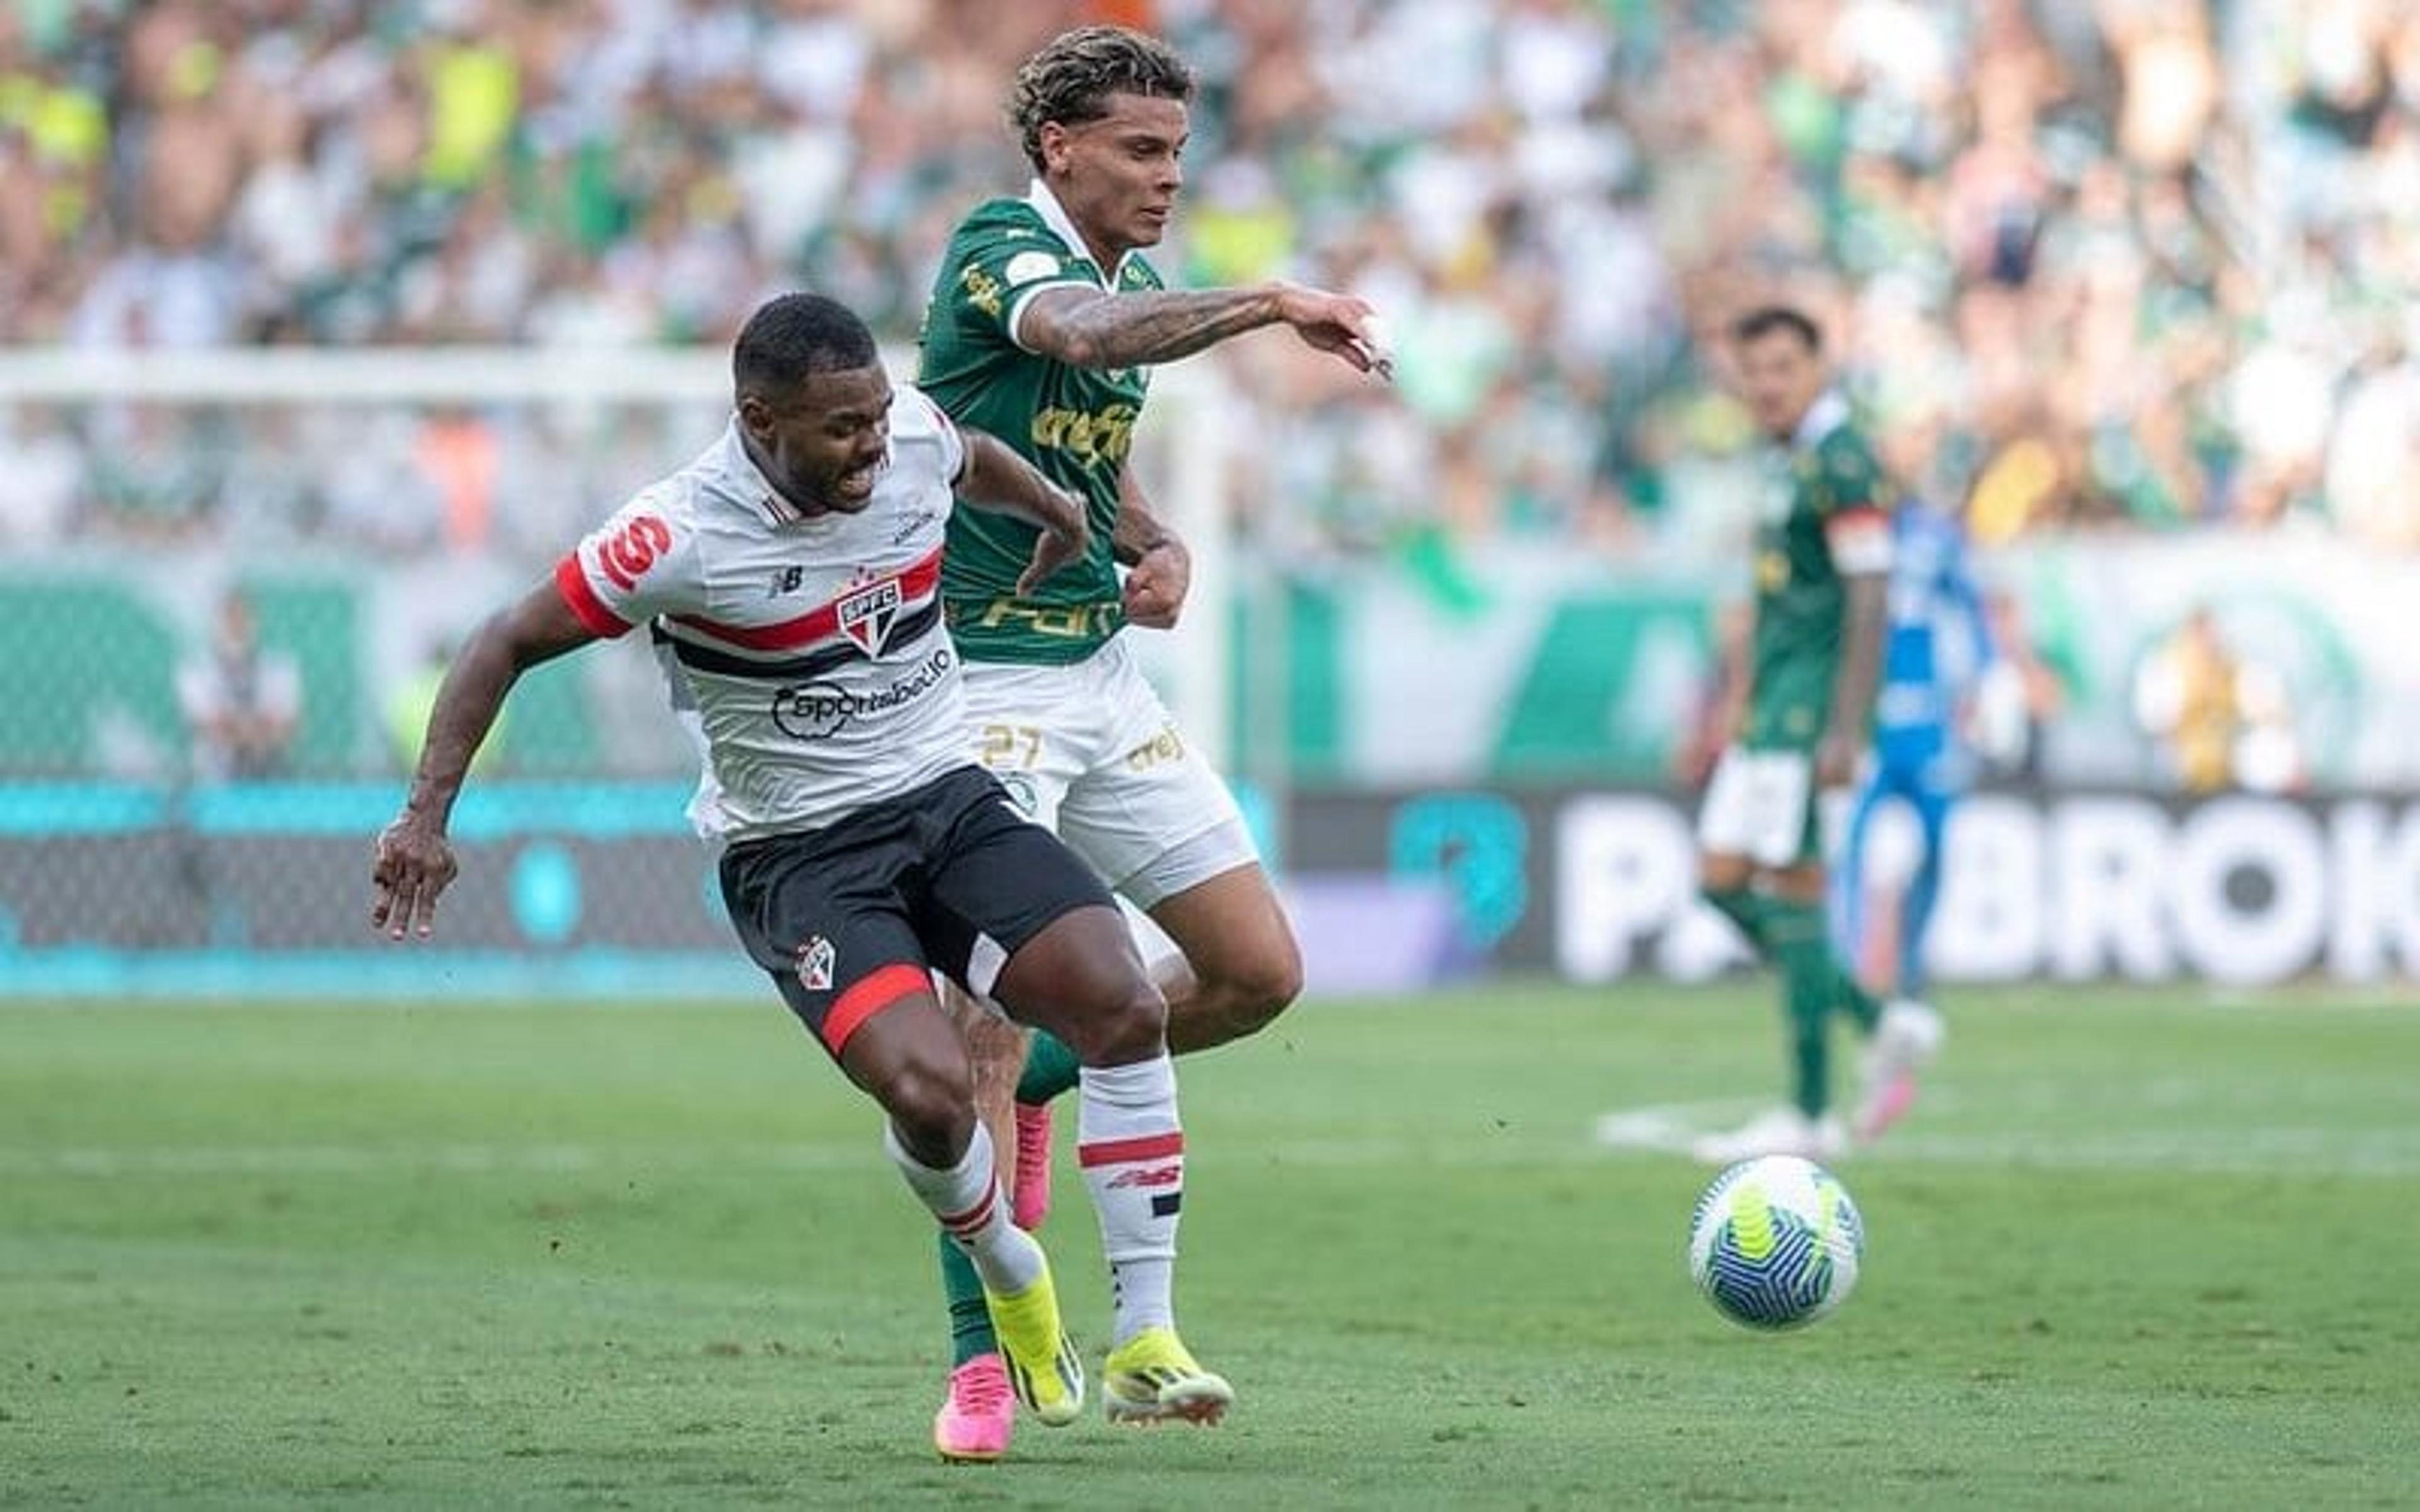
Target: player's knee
{"points": [[930, 1099], [1254, 994], [1128, 1022], [1803, 884], [1731, 898]]}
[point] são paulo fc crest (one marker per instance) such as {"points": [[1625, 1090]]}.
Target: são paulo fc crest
{"points": [[867, 615], [816, 960]]}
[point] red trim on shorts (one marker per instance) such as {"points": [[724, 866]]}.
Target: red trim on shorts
{"points": [[572, 581], [870, 994], [1128, 1151], [916, 583]]}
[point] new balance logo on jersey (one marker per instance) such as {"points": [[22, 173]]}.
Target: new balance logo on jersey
{"points": [[787, 580], [907, 528], [814, 964], [867, 615]]}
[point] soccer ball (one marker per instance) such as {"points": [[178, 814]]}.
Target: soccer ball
{"points": [[1774, 1242]]}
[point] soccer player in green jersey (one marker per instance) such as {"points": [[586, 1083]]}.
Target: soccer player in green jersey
{"points": [[1044, 323], [1823, 557]]}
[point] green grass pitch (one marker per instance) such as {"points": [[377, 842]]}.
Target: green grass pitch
{"points": [[2133, 1249]]}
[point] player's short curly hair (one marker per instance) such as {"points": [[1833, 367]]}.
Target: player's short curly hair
{"points": [[1071, 80], [793, 336]]}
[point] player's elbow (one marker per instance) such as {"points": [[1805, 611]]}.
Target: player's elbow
{"points": [[1076, 348], [1070, 332], [493, 648]]}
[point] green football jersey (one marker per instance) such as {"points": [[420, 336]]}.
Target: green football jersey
{"points": [[1827, 483], [1075, 423]]}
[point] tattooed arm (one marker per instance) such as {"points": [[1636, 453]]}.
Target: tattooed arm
{"points": [[1090, 328]]}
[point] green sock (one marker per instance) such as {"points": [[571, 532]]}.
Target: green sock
{"points": [[969, 1318], [1861, 1004], [1745, 907], [1809, 984], [1050, 1068]]}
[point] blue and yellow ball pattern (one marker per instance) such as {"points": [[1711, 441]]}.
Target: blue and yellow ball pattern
{"points": [[1776, 1242]]}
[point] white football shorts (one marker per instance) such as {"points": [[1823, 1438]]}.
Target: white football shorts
{"points": [[1761, 804], [1089, 750]]}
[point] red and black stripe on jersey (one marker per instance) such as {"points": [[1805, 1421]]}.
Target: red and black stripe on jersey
{"points": [[821, 663]]}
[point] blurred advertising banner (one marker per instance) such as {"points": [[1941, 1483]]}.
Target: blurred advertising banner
{"points": [[1500, 666], [1518, 666], [2242, 890], [598, 889], [1601, 887]]}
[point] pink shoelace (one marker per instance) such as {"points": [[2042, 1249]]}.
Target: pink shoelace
{"points": [[980, 1386]]}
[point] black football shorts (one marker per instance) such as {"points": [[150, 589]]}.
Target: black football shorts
{"points": [[850, 918]]}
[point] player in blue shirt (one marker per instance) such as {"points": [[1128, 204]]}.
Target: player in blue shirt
{"points": [[1938, 641]]}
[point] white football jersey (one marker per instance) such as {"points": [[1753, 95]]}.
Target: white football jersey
{"points": [[807, 651]]}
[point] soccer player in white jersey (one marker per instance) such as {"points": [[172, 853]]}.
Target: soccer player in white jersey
{"points": [[789, 579], [1043, 326]]}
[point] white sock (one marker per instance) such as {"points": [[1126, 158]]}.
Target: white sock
{"points": [[967, 1198], [1132, 1150]]}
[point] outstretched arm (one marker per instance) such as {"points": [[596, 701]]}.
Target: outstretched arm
{"points": [[414, 863], [1090, 328], [996, 478], [1162, 567]]}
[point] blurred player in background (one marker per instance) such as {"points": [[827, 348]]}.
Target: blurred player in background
{"points": [[1823, 559], [1935, 651], [1043, 323], [789, 579], [242, 704], [2190, 701], [241, 701]]}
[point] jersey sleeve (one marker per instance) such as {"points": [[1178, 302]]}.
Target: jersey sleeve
{"points": [[915, 416], [1856, 502], [642, 562], [1001, 257]]}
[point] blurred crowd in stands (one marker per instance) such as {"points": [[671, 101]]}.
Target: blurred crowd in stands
{"points": [[2130, 263]]}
